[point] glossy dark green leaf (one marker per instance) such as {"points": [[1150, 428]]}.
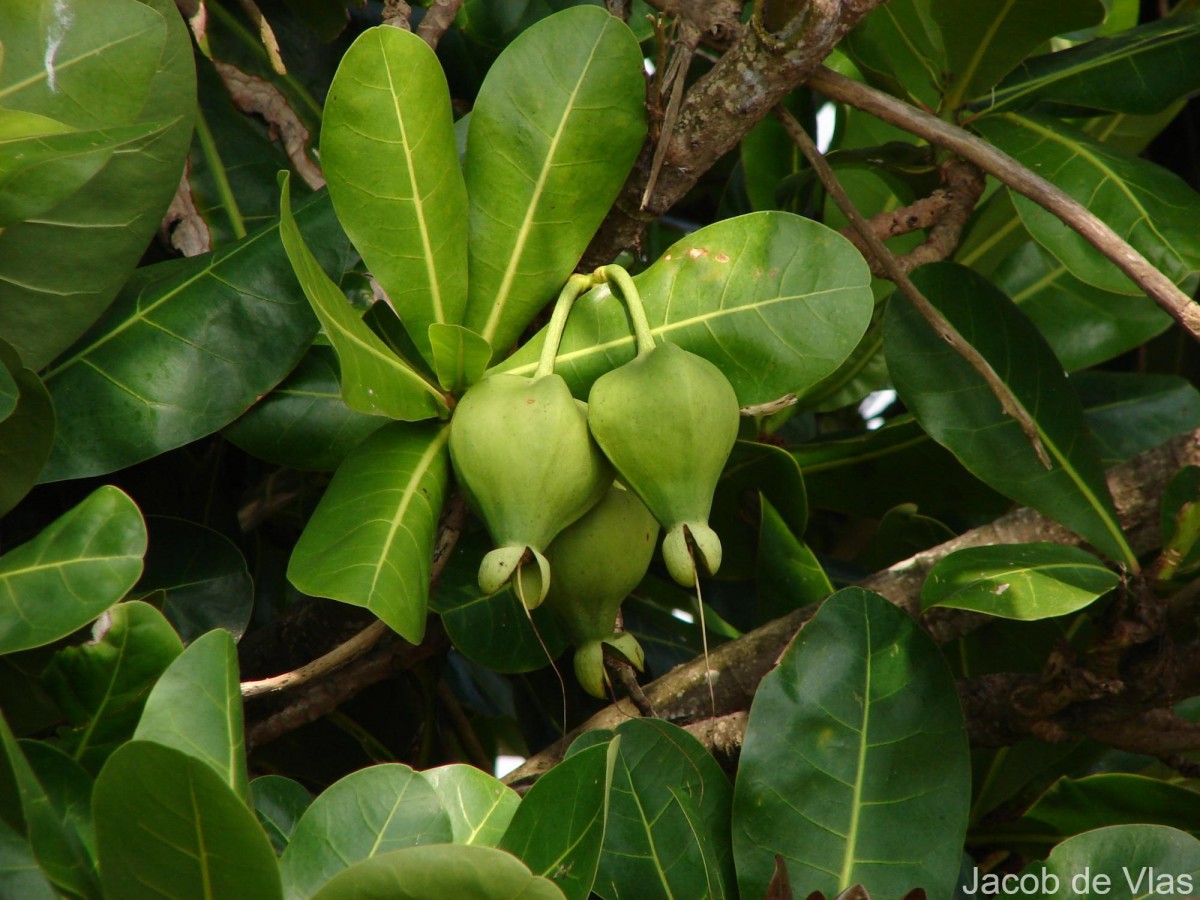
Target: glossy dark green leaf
{"points": [[40, 171], [835, 771], [388, 110], [196, 707], [202, 575], [27, 807], [102, 685], [365, 814], [957, 408], [460, 356], [279, 803], [898, 47], [370, 540], [554, 130], [1151, 208], [132, 64], [374, 380], [903, 532], [168, 826], [26, 430], [438, 872], [1122, 862], [668, 821], [1084, 325], [787, 573], [1141, 70], [19, 872], [1018, 581], [186, 347], [73, 570], [1075, 805], [754, 468], [480, 806], [496, 631], [68, 788], [868, 474], [1130, 413], [304, 423], [776, 301], [986, 39], [558, 830]]}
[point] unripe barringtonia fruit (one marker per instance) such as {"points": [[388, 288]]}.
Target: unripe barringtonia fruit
{"points": [[596, 562], [528, 466], [667, 421]]}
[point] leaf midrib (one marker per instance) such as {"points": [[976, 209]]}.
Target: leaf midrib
{"points": [[514, 260]]}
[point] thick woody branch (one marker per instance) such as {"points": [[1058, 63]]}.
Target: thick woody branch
{"points": [[749, 79], [438, 19], [681, 696], [1022, 180]]}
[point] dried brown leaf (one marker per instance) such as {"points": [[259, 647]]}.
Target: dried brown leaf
{"points": [[189, 233], [780, 887]]}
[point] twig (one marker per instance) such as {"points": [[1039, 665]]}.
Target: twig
{"points": [[999, 164], [625, 675], [438, 19], [334, 659], [672, 84], [477, 755], [938, 322], [396, 13]]}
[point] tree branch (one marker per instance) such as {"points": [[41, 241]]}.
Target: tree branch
{"points": [[751, 77], [681, 695], [438, 19], [993, 161]]}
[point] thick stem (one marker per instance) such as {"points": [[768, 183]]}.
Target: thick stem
{"points": [[575, 286], [633, 302]]}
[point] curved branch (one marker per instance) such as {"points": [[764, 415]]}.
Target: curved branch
{"points": [[1022, 180]]}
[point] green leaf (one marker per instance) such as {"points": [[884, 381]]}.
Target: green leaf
{"points": [[480, 806], [958, 410], [787, 574], [68, 788], [493, 630], [1151, 208], [202, 575], [196, 707], [168, 826], [388, 111], [370, 540], [1123, 862], [374, 380], [668, 821], [1075, 805], [776, 301], [985, 39], [40, 171], [438, 872], [835, 771], [131, 64], [554, 130], [1018, 581], [1084, 325], [102, 685], [1129, 413], [19, 872], [304, 423], [26, 429], [367, 813], [1141, 70], [183, 351], [27, 807], [558, 830], [460, 356], [279, 803], [899, 48], [78, 566], [903, 532]]}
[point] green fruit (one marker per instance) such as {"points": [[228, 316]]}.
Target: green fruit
{"points": [[522, 453], [667, 421], [596, 562]]}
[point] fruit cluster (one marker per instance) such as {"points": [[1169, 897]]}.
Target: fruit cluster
{"points": [[573, 494]]}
